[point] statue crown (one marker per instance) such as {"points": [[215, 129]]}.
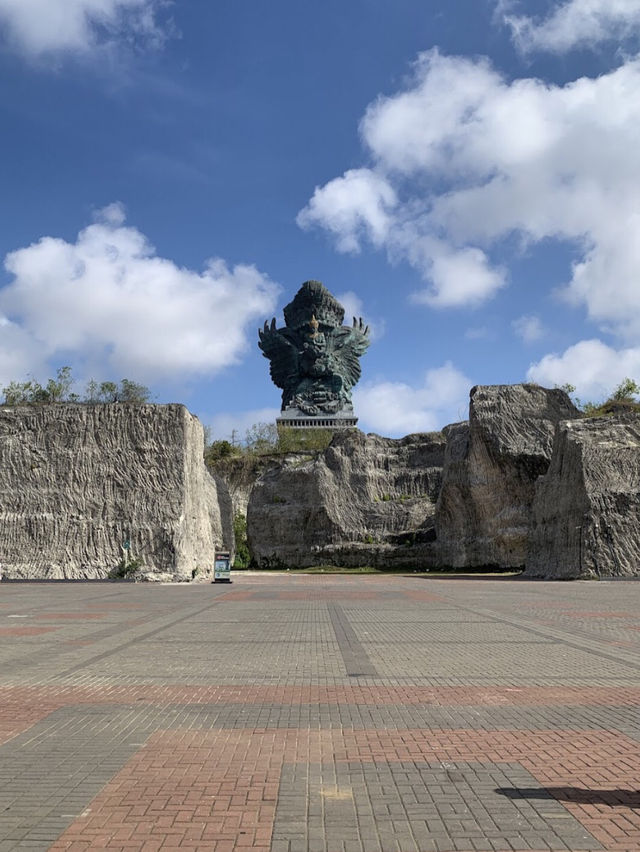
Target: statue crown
{"points": [[313, 301]]}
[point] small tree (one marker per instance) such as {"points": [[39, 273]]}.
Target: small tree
{"points": [[219, 450], [626, 391], [262, 438], [15, 393], [32, 392], [108, 392], [133, 392], [58, 389], [92, 392], [243, 557]]}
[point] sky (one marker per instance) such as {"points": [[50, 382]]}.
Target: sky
{"points": [[464, 174]]}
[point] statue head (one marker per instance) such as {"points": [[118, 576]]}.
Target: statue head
{"points": [[313, 302]]}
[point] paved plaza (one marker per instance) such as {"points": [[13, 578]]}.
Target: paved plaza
{"points": [[321, 714]]}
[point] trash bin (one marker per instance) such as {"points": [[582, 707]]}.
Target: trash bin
{"points": [[222, 567]]}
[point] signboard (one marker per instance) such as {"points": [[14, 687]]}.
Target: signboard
{"points": [[222, 567]]}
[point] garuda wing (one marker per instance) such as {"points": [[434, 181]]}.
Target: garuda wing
{"points": [[349, 345], [282, 354]]}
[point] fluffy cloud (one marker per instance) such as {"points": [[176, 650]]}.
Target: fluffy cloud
{"points": [[352, 207], [108, 298], [575, 23], [18, 355], [40, 27], [529, 328], [464, 160], [591, 366], [395, 408]]}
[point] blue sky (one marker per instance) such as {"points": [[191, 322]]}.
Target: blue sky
{"points": [[463, 173]]}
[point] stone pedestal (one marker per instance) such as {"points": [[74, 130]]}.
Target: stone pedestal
{"points": [[293, 418]]}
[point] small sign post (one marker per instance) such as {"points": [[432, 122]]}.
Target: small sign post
{"points": [[222, 567]]}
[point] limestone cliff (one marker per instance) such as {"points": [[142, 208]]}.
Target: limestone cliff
{"points": [[77, 481], [490, 470], [240, 474], [586, 512], [365, 500]]}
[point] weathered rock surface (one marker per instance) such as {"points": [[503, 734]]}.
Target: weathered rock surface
{"points": [[77, 481], [365, 500], [586, 512], [240, 474], [490, 470]]}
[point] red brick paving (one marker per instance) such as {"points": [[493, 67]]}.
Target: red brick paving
{"points": [[25, 631], [217, 789], [40, 701]]}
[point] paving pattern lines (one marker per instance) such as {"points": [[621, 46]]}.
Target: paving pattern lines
{"points": [[23, 707], [386, 713], [232, 790]]}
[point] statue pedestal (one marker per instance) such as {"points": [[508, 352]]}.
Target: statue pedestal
{"points": [[293, 418]]}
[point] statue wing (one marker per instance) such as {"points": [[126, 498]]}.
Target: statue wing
{"points": [[349, 345], [282, 354]]}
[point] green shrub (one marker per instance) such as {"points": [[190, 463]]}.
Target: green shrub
{"points": [[59, 389], [243, 557], [125, 569], [302, 440]]}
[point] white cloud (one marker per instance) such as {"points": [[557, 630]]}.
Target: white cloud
{"points": [[395, 408], [43, 27], [354, 307], [473, 159], [18, 354], [591, 366], [234, 424], [109, 298], [354, 206], [459, 277], [575, 23], [529, 328]]}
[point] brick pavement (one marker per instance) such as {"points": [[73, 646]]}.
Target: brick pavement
{"points": [[313, 714]]}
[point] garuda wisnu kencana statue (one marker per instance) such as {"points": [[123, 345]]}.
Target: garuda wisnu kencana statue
{"points": [[315, 359]]}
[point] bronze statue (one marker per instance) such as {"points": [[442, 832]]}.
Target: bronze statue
{"points": [[315, 359]]}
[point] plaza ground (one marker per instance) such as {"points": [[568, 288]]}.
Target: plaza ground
{"points": [[321, 714]]}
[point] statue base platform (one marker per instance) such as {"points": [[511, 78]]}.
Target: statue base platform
{"points": [[293, 418]]}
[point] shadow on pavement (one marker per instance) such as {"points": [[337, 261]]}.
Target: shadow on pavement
{"points": [[613, 798]]}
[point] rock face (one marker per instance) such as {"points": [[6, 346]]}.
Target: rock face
{"points": [[240, 474], [490, 470], [365, 500], [586, 512], [77, 481]]}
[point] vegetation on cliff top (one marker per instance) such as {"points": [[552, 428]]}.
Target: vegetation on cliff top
{"points": [[622, 400], [263, 440], [61, 389]]}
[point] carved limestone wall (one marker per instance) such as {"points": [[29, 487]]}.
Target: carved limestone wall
{"points": [[77, 481]]}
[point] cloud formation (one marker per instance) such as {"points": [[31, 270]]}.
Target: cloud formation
{"points": [[529, 328], [464, 159], [574, 23], [591, 366], [396, 408], [44, 27], [355, 206], [109, 299]]}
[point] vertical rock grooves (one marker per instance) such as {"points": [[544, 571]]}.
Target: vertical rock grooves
{"points": [[78, 481]]}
